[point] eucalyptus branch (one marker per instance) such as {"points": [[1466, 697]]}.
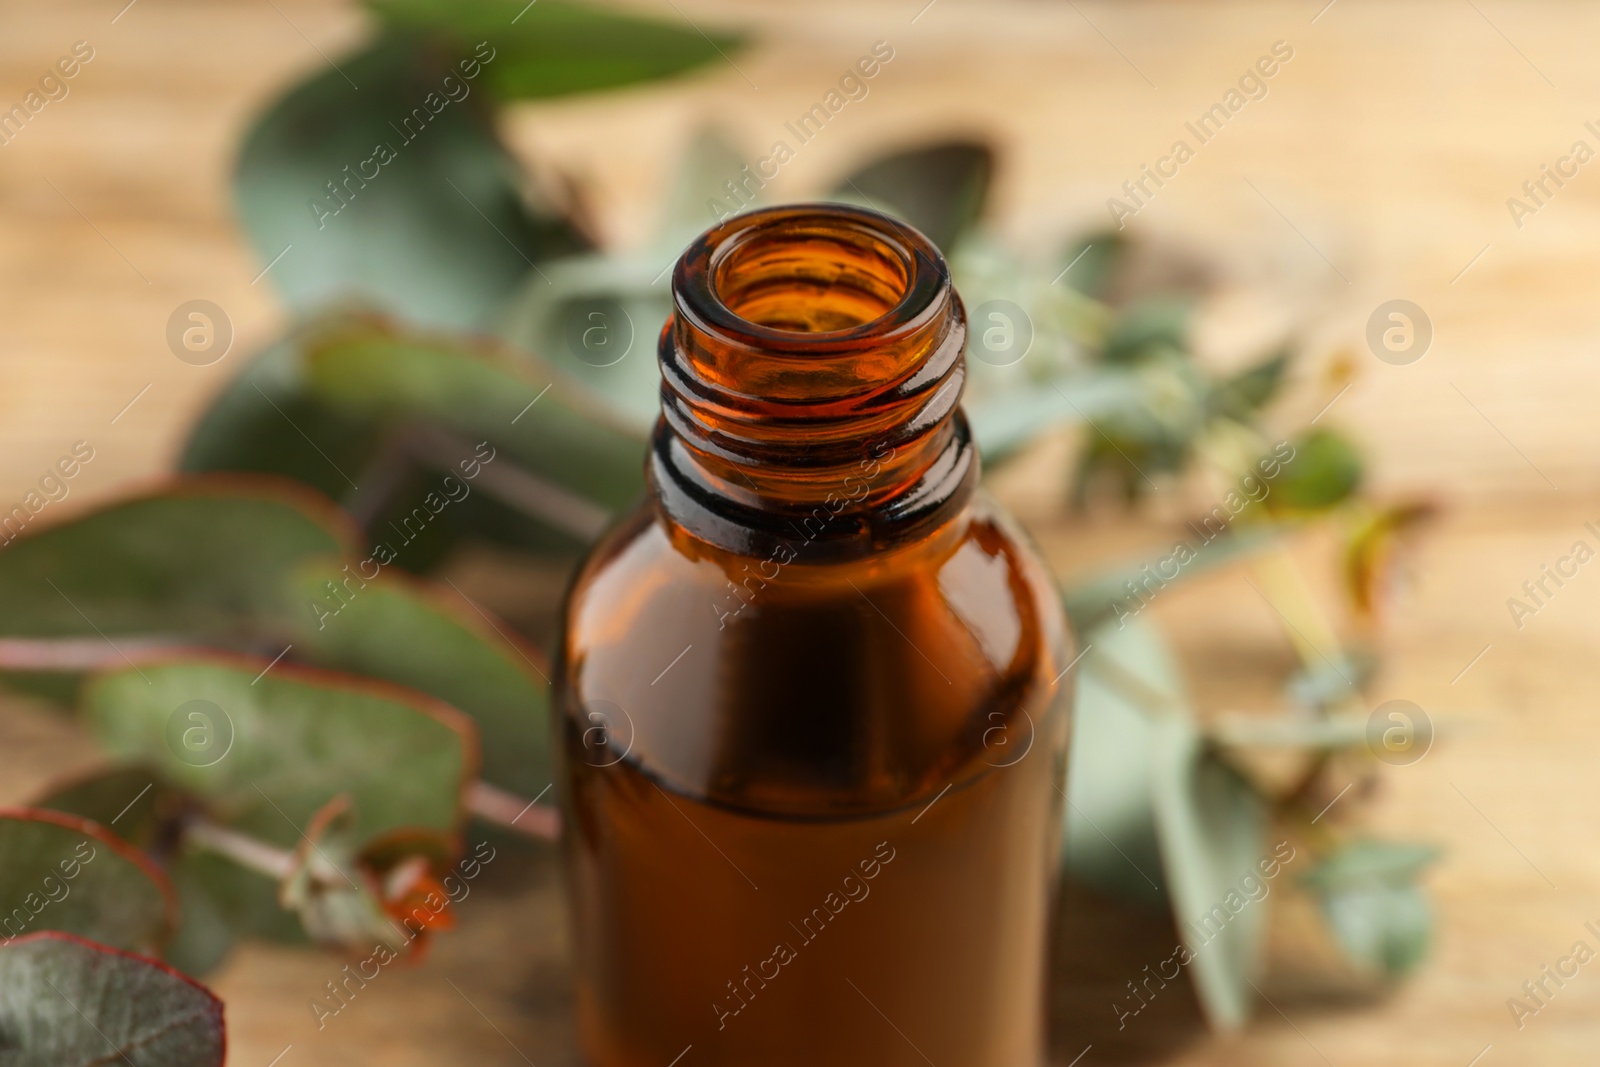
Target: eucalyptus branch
{"points": [[274, 862], [1309, 631], [505, 809], [516, 487], [76, 653]]}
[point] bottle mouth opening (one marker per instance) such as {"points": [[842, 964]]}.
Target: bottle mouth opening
{"points": [[812, 372], [810, 275]]}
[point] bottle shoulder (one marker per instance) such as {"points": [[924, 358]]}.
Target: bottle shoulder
{"points": [[779, 684]]}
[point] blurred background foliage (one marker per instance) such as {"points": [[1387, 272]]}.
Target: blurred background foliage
{"points": [[463, 352]]}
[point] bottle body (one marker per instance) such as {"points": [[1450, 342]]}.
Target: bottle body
{"points": [[813, 780]]}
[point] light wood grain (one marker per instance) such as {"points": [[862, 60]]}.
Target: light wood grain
{"points": [[1384, 152]]}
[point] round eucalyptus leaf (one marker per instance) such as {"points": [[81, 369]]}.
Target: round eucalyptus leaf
{"points": [[68, 1002]]}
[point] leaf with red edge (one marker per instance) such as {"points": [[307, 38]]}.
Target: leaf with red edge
{"points": [[62, 872], [68, 1002], [198, 558], [591, 460], [280, 741], [431, 638], [131, 797]]}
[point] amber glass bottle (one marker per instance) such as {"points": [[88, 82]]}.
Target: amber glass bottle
{"points": [[812, 743]]}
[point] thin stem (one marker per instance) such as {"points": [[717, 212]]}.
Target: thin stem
{"points": [[74, 653], [517, 487], [528, 817], [1308, 629], [270, 860]]}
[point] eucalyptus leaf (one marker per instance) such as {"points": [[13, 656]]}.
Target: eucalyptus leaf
{"points": [[1373, 548], [1384, 928], [62, 872], [437, 642], [380, 180], [1243, 395], [270, 420], [276, 745], [1154, 322], [204, 558], [554, 48], [1371, 861], [1369, 893], [1111, 840], [67, 1002], [940, 189], [1212, 829], [1089, 264], [1005, 422], [1155, 436], [266, 421], [220, 904], [129, 797], [205, 936], [1326, 470], [482, 394]]}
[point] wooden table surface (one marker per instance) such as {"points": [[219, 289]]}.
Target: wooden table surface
{"points": [[1378, 166]]}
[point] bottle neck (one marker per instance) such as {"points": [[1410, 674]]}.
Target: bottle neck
{"points": [[811, 383]]}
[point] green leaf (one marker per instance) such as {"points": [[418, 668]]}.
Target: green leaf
{"points": [[205, 936], [1326, 469], [940, 189], [554, 48], [1155, 322], [203, 558], [395, 194], [1212, 828], [305, 410], [265, 421], [1111, 838], [1369, 894], [1088, 265], [275, 746], [221, 903], [61, 872], [66, 1002], [1243, 395], [1144, 788], [1005, 422], [403, 631], [1370, 861], [482, 394], [1155, 435], [130, 796]]}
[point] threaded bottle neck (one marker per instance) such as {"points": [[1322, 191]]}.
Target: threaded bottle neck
{"points": [[811, 380]]}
